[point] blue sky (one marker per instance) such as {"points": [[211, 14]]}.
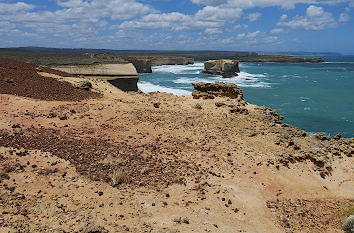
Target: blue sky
{"points": [[237, 25]]}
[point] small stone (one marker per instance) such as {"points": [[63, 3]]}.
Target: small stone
{"points": [[322, 137], [85, 85], [198, 106], [185, 220], [157, 105], [100, 193]]}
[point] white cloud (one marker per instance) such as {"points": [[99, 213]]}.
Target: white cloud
{"points": [[256, 38], [210, 13], [249, 35], [76, 19], [344, 17], [276, 31], [283, 17], [314, 11], [316, 19], [213, 31], [208, 19], [8, 8], [253, 16], [286, 4]]}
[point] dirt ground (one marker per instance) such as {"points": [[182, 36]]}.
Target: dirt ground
{"points": [[135, 162]]}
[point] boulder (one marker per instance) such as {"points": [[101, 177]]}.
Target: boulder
{"points": [[225, 68], [217, 89]]}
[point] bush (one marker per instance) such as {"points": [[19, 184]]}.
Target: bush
{"points": [[118, 177], [348, 225]]}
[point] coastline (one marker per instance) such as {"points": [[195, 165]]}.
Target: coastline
{"points": [[177, 163]]}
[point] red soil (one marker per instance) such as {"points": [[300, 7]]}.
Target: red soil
{"points": [[22, 79]]}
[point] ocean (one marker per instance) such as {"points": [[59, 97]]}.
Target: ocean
{"points": [[314, 97]]}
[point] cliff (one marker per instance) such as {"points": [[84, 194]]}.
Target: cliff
{"points": [[224, 67], [142, 65], [99, 69], [124, 76], [157, 60]]}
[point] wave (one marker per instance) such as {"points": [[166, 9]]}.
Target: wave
{"points": [[149, 87], [179, 69], [243, 79]]}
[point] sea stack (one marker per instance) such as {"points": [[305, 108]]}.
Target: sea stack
{"points": [[226, 68]]}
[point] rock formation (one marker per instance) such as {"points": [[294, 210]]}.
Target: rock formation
{"points": [[226, 68], [142, 65], [124, 76], [217, 89]]}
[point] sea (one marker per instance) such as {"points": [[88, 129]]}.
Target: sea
{"points": [[316, 97]]}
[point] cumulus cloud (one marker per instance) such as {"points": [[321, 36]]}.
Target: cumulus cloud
{"points": [[276, 31], [213, 31], [315, 19], [257, 37], [283, 17], [248, 35], [210, 13], [207, 18], [10, 8], [76, 19], [286, 4], [253, 16]]}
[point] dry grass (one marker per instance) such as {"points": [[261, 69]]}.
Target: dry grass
{"points": [[118, 177]]}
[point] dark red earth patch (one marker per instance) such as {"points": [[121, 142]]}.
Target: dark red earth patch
{"points": [[22, 79]]}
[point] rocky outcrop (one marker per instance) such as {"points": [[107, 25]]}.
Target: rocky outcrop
{"points": [[99, 69], [225, 68], [142, 65], [124, 76], [217, 89]]}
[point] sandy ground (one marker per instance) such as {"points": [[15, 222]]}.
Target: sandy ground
{"points": [[178, 164]]}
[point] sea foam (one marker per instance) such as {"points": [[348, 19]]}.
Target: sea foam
{"points": [[243, 80], [149, 87]]}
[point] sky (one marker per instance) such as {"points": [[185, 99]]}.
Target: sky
{"points": [[232, 25]]}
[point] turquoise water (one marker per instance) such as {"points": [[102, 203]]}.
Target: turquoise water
{"points": [[314, 97]]}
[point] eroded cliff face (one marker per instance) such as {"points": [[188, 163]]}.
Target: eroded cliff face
{"points": [[225, 68], [124, 75], [143, 63]]}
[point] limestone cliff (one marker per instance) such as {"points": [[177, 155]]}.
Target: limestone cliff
{"points": [[142, 65], [226, 68], [124, 76]]}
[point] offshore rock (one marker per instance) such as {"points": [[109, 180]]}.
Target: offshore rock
{"points": [[226, 68], [217, 89]]}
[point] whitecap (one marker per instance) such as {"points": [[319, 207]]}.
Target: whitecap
{"points": [[179, 69], [149, 87]]}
